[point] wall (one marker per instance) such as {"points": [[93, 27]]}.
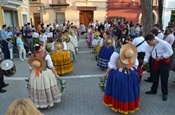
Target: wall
{"points": [[1, 19]]}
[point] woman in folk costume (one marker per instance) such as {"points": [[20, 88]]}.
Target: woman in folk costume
{"points": [[43, 88], [96, 43], [90, 36], [122, 91], [65, 37], [74, 39], [107, 48], [115, 54], [61, 59]]}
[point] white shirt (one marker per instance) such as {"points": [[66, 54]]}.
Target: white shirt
{"points": [[49, 61], [162, 48], [35, 35], [170, 38], [64, 44], [102, 42], [160, 35], [43, 37], [138, 40], [113, 61]]}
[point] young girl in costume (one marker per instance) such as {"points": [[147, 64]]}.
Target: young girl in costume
{"points": [[43, 88], [107, 48], [61, 59]]}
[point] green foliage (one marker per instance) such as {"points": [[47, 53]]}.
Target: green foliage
{"points": [[172, 18], [35, 40], [48, 49]]}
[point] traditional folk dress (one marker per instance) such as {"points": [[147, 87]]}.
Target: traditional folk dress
{"points": [[43, 88], [90, 37], [122, 91], [105, 52], [62, 60], [74, 42], [65, 37]]}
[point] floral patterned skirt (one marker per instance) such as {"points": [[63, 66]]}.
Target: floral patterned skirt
{"points": [[43, 89]]}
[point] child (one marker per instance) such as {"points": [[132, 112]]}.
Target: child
{"points": [[10, 46], [20, 46]]}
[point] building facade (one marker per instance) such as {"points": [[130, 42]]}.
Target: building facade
{"points": [[168, 11], [60, 11], [14, 12], [129, 10]]}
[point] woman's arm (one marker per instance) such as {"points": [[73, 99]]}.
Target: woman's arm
{"points": [[50, 65]]}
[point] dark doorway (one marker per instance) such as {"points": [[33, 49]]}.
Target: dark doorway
{"points": [[86, 17]]}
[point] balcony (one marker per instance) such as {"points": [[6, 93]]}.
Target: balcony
{"points": [[15, 3], [53, 3]]}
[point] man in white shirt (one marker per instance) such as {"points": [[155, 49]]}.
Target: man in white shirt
{"points": [[160, 51], [141, 45], [160, 33], [170, 36]]}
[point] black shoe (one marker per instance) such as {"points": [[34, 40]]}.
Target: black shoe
{"points": [[5, 85], [148, 80], [2, 91], [150, 92], [164, 97]]}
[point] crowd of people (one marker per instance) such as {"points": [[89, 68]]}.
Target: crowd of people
{"points": [[121, 50]]}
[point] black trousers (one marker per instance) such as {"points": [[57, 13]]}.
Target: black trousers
{"points": [[163, 73], [5, 49], [151, 66], [1, 82]]}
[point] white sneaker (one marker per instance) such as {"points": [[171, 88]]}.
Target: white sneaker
{"points": [[25, 58], [21, 59]]}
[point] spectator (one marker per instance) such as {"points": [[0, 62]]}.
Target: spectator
{"points": [[23, 107], [20, 46], [5, 42], [29, 38], [42, 36]]}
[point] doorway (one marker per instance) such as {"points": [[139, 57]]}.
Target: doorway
{"points": [[86, 17], [36, 19]]}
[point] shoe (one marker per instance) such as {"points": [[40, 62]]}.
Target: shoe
{"points": [[150, 92], [2, 91], [5, 85], [148, 80], [21, 59], [25, 58], [164, 97]]}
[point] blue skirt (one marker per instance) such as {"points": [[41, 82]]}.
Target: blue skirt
{"points": [[122, 91], [104, 56]]}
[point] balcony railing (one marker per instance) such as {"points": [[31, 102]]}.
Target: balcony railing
{"points": [[16, 3], [58, 3]]}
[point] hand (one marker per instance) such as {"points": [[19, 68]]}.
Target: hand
{"points": [[57, 76], [158, 58], [105, 75]]}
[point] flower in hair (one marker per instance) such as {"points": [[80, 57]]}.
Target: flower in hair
{"points": [[36, 45]]}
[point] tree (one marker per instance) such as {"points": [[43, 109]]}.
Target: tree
{"points": [[160, 7], [147, 18]]}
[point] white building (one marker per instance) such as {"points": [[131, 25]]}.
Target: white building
{"points": [[168, 8]]}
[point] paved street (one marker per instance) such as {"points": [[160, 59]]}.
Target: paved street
{"points": [[82, 95]]}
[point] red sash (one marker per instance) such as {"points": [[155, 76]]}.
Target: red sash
{"points": [[157, 63]]}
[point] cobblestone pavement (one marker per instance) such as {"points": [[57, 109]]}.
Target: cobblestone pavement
{"points": [[82, 95]]}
